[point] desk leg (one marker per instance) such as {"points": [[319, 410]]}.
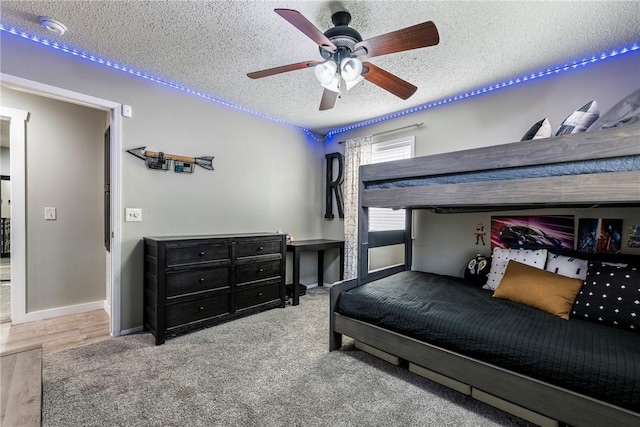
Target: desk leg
{"points": [[342, 262], [320, 268], [296, 277]]}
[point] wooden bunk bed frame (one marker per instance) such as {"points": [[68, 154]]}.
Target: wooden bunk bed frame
{"points": [[521, 394]]}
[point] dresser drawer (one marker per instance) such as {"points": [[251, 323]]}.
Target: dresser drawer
{"points": [[208, 306], [257, 271], [198, 253], [184, 282], [246, 249], [252, 296]]}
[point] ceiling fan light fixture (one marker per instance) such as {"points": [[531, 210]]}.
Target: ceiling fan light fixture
{"points": [[326, 72], [334, 84], [350, 69], [350, 84]]}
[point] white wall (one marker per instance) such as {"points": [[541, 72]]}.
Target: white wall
{"points": [[64, 169], [267, 176], [495, 118]]}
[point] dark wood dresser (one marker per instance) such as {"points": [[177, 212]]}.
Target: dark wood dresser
{"points": [[195, 281]]}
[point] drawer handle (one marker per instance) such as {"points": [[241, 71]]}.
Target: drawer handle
{"points": [[261, 270], [201, 253], [259, 294], [261, 248], [201, 279], [201, 308]]}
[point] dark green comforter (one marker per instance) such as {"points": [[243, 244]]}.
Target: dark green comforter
{"points": [[589, 358]]}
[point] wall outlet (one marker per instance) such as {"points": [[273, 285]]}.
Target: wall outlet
{"points": [[50, 214], [133, 215]]}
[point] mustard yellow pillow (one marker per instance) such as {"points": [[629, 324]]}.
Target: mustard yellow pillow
{"points": [[538, 288]]}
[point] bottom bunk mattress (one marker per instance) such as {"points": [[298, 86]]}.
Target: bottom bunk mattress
{"points": [[593, 359]]}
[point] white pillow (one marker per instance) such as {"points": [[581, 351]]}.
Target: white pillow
{"points": [[500, 259], [580, 119], [567, 266]]}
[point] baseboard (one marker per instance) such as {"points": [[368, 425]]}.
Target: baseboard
{"points": [[62, 311], [315, 285], [131, 330], [107, 307]]}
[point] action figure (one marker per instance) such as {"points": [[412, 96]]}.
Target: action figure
{"points": [[479, 233]]}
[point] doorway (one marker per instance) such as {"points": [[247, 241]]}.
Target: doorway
{"points": [[5, 224], [18, 189]]}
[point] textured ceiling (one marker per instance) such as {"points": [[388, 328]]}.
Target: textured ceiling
{"points": [[210, 46]]}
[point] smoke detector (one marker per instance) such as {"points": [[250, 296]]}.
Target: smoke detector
{"points": [[53, 25]]}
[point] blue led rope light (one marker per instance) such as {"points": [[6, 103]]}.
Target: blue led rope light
{"points": [[497, 86], [309, 133], [115, 65]]}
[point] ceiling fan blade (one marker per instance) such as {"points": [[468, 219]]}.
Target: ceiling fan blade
{"points": [[387, 81], [296, 19], [415, 37], [328, 99], [282, 69]]}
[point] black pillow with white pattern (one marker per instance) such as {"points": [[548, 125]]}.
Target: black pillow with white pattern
{"points": [[610, 295]]}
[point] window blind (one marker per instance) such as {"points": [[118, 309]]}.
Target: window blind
{"points": [[383, 219]]}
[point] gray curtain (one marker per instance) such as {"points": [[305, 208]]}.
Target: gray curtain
{"points": [[357, 152]]}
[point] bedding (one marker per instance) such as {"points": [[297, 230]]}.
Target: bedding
{"points": [[611, 295], [580, 119], [541, 129], [590, 358], [501, 257], [538, 288]]}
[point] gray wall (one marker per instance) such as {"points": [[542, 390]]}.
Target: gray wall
{"points": [[64, 169], [495, 118], [444, 243], [267, 176], [5, 161]]}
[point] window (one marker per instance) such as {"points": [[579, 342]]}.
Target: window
{"points": [[382, 219]]}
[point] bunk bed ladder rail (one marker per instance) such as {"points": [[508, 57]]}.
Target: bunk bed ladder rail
{"points": [[376, 239]]}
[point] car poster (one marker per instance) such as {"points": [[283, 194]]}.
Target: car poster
{"points": [[533, 231]]}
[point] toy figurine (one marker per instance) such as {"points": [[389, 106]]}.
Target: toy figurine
{"points": [[479, 233]]}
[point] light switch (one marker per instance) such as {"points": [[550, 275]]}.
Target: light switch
{"points": [[133, 215], [50, 214]]}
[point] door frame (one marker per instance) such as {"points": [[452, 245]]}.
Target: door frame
{"points": [[18, 188]]}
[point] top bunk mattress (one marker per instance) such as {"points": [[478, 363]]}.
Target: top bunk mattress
{"points": [[585, 167], [596, 360]]}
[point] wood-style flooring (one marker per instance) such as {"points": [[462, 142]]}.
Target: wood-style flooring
{"points": [[58, 334]]}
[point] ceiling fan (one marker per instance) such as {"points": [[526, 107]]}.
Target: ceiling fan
{"points": [[344, 52]]}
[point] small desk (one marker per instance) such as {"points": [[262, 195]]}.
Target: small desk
{"points": [[318, 245]]}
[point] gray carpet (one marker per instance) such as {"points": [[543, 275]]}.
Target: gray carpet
{"points": [[269, 369]]}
